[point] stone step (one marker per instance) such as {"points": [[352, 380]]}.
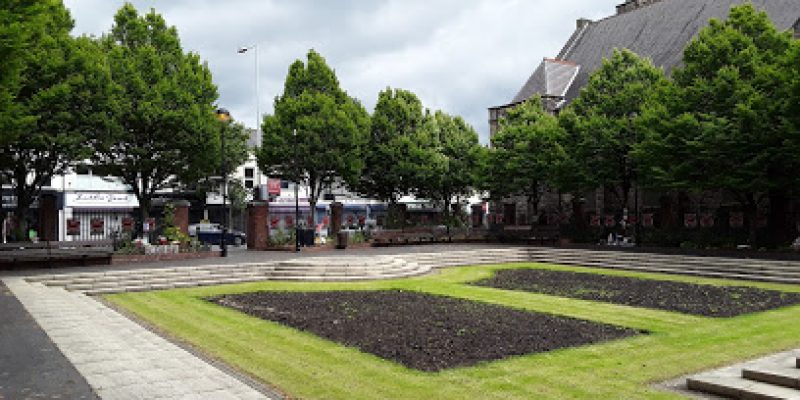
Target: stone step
{"points": [[788, 377], [183, 281], [665, 258], [709, 267], [740, 388], [678, 268]]}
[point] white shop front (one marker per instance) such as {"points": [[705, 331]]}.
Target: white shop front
{"points": [[96, 215]]}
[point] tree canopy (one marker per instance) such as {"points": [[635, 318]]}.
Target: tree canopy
{"points": [[526, 154], [607, 111], [330, 127], [165, 129], [452, 151], [725, 122], [22, 25], [397, 118], [64, 95]]}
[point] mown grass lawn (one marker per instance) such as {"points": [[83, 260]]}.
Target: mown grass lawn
{"points": [[305, 366]]}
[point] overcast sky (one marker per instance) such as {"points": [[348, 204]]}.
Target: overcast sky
{"points": [[460, 56]]}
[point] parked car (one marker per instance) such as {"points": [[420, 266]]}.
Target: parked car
{"points": [[211, 233]]}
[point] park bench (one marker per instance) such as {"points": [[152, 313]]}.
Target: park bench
{"points": [[56, 253], [407, 236], [544, 233]]}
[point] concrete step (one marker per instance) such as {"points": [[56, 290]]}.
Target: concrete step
{"points": [[740, 388], [788, 377], [709, 267], [712, 271]]}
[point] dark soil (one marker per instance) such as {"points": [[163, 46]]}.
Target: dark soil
{"points": [[705, 300], [422, 331]]}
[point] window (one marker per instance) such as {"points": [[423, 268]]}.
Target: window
{"points": [[284, 184], [249, 173], [248, 184]]}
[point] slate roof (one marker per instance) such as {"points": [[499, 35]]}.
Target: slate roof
{"points": [[551, 79], [659, 31]]}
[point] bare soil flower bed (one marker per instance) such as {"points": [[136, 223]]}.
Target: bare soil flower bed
{"points": [[422, 331], [705, 300]]}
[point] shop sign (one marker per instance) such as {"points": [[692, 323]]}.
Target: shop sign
{"points": [[73, 227], [97, 225], [707, 220], [274, 187], [647, 220], [149, 225], [736, 220], [690, 220], [101, 200], [127, 224]]}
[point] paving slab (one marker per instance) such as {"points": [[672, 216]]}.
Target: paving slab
{"points": [[31, 366], [118, 358]]}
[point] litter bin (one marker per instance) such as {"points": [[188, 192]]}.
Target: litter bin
{"points": [[341, 240], [307, 237]]}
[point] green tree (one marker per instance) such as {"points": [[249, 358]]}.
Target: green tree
{"points": [[526, 154], [166, 133], [452, 150], [22, 23], [725, 122], [330, 127], [607, 110], [65, 95], [397, 117]]}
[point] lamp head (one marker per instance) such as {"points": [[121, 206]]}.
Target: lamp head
{"points": [[223, 115]]}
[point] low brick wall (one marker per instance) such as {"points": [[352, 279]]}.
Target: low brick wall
{"points": [[142, 258]]}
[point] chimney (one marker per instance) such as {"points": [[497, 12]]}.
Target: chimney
{"points": [[584, 22], [631, 5]]}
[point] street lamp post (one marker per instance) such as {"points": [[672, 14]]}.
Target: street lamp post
{"points": [[243, 50], [224, 116], [296, 197]]}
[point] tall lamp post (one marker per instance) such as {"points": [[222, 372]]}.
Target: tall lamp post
{"points": [[296, 197], [243, 50], [223, 116]]}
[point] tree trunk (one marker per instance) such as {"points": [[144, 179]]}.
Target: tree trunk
{"points": [[144, 213], [780, 223], [24, 201], [751, 210], [578, 213]]}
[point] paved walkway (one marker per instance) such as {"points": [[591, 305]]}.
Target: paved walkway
{"points": [[119, 358], [31, 366]]}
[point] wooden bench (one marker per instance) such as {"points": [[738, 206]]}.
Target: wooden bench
{"points": [[408, 236], [544, 233], [50, 253]]}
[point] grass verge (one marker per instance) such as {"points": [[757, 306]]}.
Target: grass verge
{"points": [[305, 366]]}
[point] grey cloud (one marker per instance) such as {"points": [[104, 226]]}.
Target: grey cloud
{"points": [[459, 56]]}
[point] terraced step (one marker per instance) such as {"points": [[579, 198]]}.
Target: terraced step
{"points": [[788, 377], [740, 388], [305, 269], [771, 377]]}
